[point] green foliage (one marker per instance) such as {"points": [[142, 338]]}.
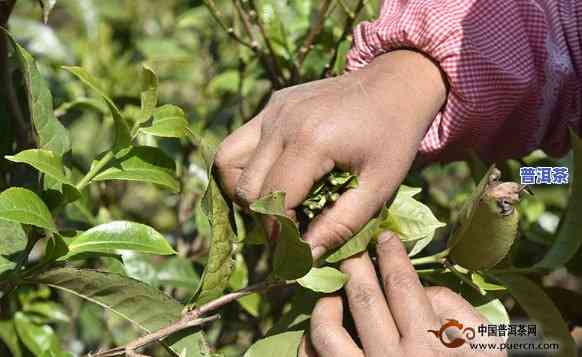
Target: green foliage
{"points": [[21, 205], [291, 247], [111, 237]]}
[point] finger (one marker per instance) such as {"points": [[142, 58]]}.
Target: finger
{"points": [[248, 188], [348, 215], [295, 172], [376, 328], [306, 348], [449, 305], [406, 297], [234, 153], [328, 335]]}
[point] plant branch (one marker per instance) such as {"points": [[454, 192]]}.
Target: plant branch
{"points": [[347, 28], [95, 169], [6, 87], [190, 319], [219, 18], [438, 258], [313, 32], [269, 63]]}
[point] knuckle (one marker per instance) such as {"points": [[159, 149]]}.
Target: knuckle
{"points": [[336, 232], [242, 193], [321, 335]]}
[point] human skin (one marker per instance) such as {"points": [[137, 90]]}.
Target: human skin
{"points": [[392, 316], [369, 122]]}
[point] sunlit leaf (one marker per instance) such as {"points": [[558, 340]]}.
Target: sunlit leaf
{"points": [[413, 221], [169, 121], [51, 134], [44, 161], [38, 339], [324, 280], [12, 243], [110, 237], [9, 336], [142, 163], [49, 309], [285, 344], [21, 205], [360, 241], [149, 95]]}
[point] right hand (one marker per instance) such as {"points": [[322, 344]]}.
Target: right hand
{"points": [[368, 122], [393, 317]]}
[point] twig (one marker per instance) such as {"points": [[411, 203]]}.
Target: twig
{"points": [[190, 319], [313, 32], [218, 17], [347, 28], [257, 21], [7, 89], [269, 63]]}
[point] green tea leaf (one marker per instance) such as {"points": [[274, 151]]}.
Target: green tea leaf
{"points": [[169, 121], [44, 161], [122, 134], [494, 312], [110, 237], [292, 258], [149, 95], [178, 272], [142, 163], [485, 232], [240, 275], [38, 339], [51, 134], [9, 336], [12, 244], [414, 222], [360, 241], [569, 239], [218, 209], [21, 205], [324, 280], [540, 308], [285, 344], [484, 285], [49, 309], [145, 307]]}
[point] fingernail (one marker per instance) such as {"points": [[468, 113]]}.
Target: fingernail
{"points": [[317, 252]]}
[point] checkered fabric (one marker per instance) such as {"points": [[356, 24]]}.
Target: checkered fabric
{"points": [[514, 68]]}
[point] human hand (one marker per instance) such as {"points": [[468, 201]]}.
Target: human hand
{"points": [[392, 319], [368, 122]]}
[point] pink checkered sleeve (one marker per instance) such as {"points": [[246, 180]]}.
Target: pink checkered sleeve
{"points": [[514, 68]]}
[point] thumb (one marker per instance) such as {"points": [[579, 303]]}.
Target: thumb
{"points": [[349, 214]]}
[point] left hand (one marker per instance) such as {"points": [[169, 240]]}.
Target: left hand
{"points": [[392, 319]]}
